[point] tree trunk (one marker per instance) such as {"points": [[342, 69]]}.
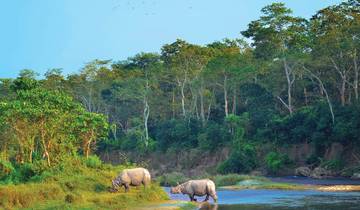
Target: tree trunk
{"points": [[234, 102], [183, 98], [356, 77], [290, 81], [343, 91], [43, 141], [305, 96], [342, 74], [87, 149], [226, 106], [202, 111], [173, 105], [209, 111], [322, 87], [146, 117]]}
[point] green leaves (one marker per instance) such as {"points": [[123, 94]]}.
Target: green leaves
{"points": [[276, 32], [51, 119]]}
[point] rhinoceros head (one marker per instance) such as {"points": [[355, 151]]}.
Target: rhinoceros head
{"points": [[176, 190], [115, 185]]}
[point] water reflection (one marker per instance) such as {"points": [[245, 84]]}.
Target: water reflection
{"points": [[208, 206]]}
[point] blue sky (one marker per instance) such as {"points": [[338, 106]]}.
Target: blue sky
{"points": [[43, 34]]}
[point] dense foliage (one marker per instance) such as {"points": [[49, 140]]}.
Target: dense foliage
{"points": [[297, 82]]}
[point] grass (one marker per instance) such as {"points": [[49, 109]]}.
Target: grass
{"points": [[189, 206], [233, 179], [171, 179], [84, 186]]}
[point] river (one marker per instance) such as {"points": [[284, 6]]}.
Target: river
{"points": [[261, 199]]}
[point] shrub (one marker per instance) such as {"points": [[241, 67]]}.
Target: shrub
{"points": [[241, 160], [213, 136], [177, 133], [171, 179], [7, 171], [334, 165], [93, 161], [313, 160], [276, 161], [232, 179]]}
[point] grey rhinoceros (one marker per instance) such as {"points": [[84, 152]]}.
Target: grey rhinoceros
{"points": [[196, 188], [131, 177]]}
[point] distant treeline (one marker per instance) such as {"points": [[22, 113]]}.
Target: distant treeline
{"points": [[296, 82]]}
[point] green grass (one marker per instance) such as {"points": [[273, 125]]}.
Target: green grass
{"points": [[171, 179], [258, 184], [84, 186], [233, 179], [189, 206]]}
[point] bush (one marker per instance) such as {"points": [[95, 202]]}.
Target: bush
{"points": [[232, 179], [7, 171], [93, 161], [212, 137], [334, 165], [241, 160], [172, 179], [276, 161], [177, 133]]}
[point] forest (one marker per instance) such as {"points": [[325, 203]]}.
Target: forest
{"points": [[287, 82]]}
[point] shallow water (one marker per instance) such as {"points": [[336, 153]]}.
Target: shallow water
{"points": [[250, 199]]}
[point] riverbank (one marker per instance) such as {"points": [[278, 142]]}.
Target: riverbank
{"points": [[257, 184], [239, 182], [78, 186]]}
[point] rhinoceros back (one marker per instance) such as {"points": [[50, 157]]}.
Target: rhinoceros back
{"points": [[199, 187], [136, 176]]}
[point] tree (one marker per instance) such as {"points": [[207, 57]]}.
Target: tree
{"points": [[185, 62], [46, 118], [279, 37], [233, 64], [54, 79], [336, 41], [90, 127], [25, 81]]}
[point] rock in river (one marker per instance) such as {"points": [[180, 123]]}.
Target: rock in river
{"points": [[303, 171]]}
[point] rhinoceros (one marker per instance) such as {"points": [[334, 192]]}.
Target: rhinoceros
{"points": [[196, 188], [131, 177]]}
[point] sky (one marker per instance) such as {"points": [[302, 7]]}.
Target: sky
{"points": [[44, 34]]}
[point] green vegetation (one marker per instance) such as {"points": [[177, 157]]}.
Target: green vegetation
{"points": [[188, 206], [77, 184], [295, 84], [171, 179], [276, 161], [266, 184], [233, 179], [45, 160]]}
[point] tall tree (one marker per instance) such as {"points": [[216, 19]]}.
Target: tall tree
{"points": [[279, 37], [335, 31]]}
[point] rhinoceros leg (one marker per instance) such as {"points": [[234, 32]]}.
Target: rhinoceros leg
{"points": [[192, 198], [127, 187], [215, 198], [207, 198]]}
